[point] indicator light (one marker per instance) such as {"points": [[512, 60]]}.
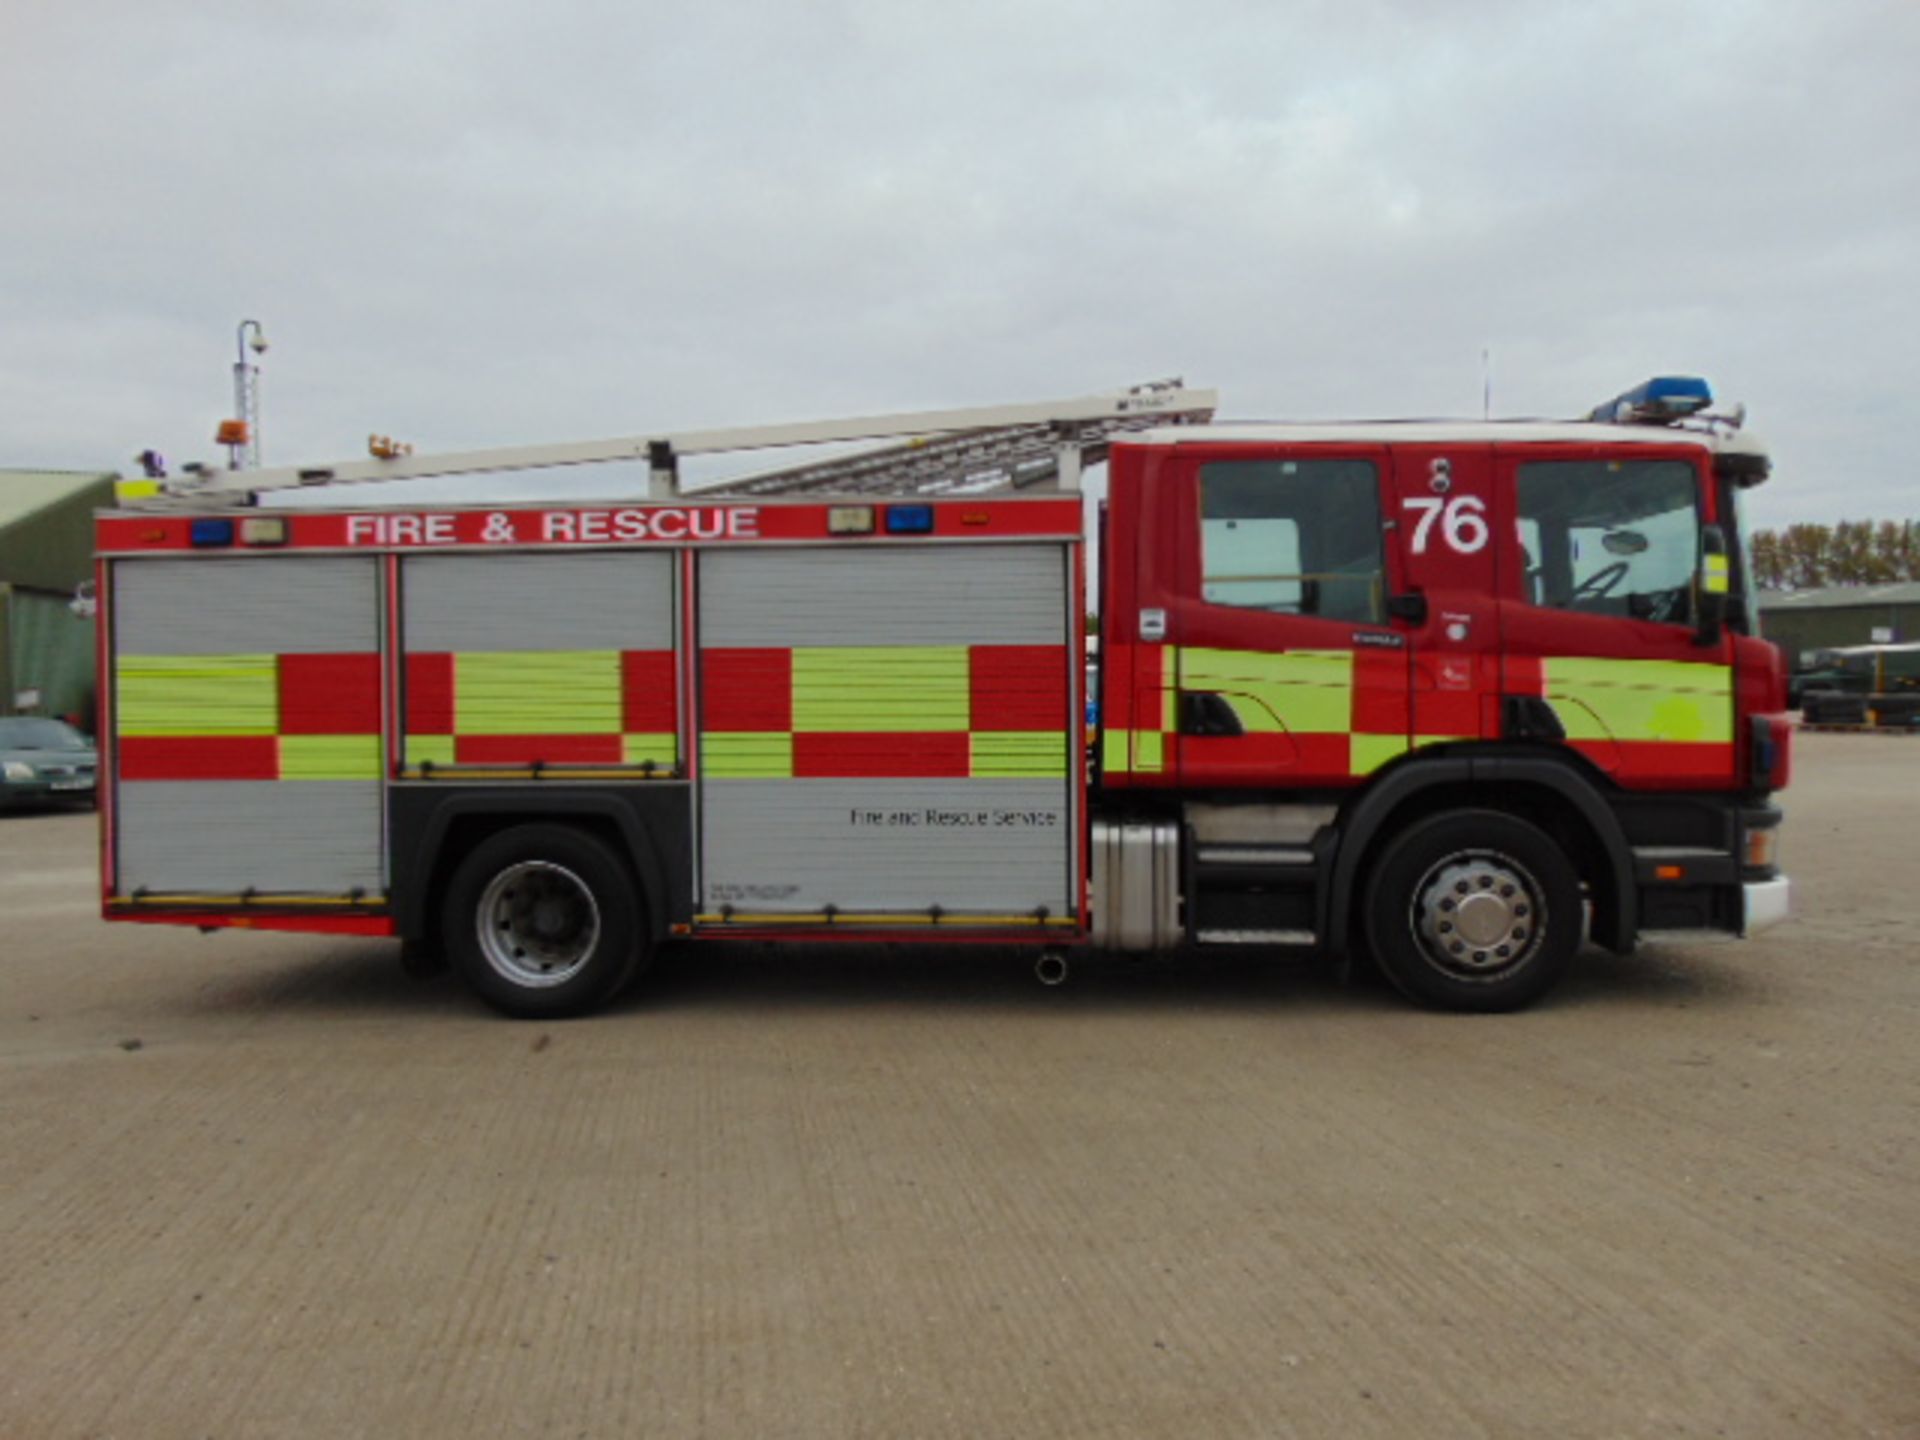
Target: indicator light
{"points": [[850, 520], [909, 519], [212, 532]]}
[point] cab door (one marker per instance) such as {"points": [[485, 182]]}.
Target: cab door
{"points": [[1446, 513], [1602, 636], [1286, 668]]}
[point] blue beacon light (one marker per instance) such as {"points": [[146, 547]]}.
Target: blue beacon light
{"points": [[1658, 401], [909, 519]]}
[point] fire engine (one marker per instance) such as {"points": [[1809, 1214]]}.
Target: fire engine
{"points": [[1459, 697]]}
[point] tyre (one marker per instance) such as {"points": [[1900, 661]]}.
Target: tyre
{"points": [[1833, 707], [1473, 910], [1897, 710], [544, 921]]}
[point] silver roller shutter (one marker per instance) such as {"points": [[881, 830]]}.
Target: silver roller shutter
{"points": [[956, 595], [226, 836], [888, 843], [598, 601]]}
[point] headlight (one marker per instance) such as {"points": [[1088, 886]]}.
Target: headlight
{"points": [[18, 772]]}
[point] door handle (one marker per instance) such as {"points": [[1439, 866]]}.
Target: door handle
{"points": [[1411, 607]]}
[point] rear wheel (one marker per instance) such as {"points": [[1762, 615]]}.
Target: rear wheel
{"points": [[1473, 910], [543, 921]]}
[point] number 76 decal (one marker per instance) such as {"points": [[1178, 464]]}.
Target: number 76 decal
{"points": [[1462, 521]]}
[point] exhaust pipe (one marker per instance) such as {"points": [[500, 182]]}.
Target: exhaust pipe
{"points": [[1051, 968]]}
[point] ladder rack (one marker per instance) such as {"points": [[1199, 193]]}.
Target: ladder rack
{"points": [[934, 452]]}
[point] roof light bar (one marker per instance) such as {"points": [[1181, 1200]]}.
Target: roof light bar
{"points": [[1659, 401]]}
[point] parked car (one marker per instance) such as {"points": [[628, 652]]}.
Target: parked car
{"points": [[45, 760]]}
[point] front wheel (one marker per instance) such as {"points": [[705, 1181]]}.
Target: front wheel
{"points": [[1473, 910], [543, 921]]}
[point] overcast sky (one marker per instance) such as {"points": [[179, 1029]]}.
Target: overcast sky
{"points": [[475, 224]]}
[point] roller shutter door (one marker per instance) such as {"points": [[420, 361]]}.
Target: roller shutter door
{"points": [[247, 726], [887, 731]]}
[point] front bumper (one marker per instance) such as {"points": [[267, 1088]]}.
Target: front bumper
{"points": [[46, 792], [1765, 903]]}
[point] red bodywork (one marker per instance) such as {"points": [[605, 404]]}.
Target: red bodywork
{"points": [[1439, 678]]}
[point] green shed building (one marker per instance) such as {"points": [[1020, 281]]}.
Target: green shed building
{"points": [[1802, 621], [46, 555]]}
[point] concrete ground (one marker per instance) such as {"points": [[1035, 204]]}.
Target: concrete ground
{"points": [[260, 1185]]}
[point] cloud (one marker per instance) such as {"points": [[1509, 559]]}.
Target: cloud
{"points": [[476, 225]]}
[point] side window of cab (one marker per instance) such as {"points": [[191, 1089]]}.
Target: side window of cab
{"points": [[1293, 537], [1610, 537]]}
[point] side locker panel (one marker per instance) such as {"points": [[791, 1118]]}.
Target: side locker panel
{"points": [[517, 661], [887, 732], [247, 724]]}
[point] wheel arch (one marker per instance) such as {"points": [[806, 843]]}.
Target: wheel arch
{"points": [[430, 846], [1556, 795]]}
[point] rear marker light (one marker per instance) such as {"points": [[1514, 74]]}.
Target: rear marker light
{"points": [[850, 520], [909, 519], [212, 532]]}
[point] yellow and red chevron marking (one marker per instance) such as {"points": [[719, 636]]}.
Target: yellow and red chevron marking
{"points": [[1341, 713], [1337, 714], [553, 707], [248, 717], [935, 711]]}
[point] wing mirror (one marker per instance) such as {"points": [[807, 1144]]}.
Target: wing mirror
{"points": [[1710, 586]]}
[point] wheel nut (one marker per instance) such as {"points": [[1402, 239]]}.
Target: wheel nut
{"points": [[1456, 947], [1479, 957], [1486, 882], [1446, 904], [1446, 926], [1506, 891], [1519, 910]]}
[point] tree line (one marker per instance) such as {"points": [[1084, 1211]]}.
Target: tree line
{"points": [[1854, 552]]}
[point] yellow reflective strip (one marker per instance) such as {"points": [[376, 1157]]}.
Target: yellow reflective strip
{"points": [[1149, 750], [1115, 757], [535, 692], [1670, 700], [1308, 692], [1367, 753], [197, 694], [1716, 575], [1027, 921], [329, 757], [135, 489], [428, 750], [881, 688], [746, 755], [639, 749], [1010, 753]]}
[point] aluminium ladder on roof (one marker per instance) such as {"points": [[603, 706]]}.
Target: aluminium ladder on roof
{"points": [[957, 452]]}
